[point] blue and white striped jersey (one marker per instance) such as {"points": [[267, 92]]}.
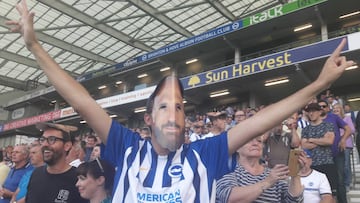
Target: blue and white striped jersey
{"points": [[187, 175]]}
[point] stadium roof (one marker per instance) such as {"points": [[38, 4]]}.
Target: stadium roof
{"points": [[87, 35]]}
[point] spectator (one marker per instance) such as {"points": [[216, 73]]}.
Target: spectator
{"points": [[331, 101], [303, 120], [229, 122], [279, 143], [339, 100], [318, 137], [76, 154], [350, 112], [95, 153], [90, 144], [145, 133], [4, 169], [254, 182], [316, 185], [229, 118], [251, 113], [339, 111], [21, 165], [8, 154], [218, 123], [56, 142], [338, 147], [165, 165], [95, 181], [36, 160], [357, 127], [239, 116], [198, 127]]}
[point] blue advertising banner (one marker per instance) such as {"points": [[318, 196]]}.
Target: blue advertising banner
{"points": [[166, 49], [261, 64]]}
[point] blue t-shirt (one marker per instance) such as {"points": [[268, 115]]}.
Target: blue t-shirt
{"points": [[186, 175], [24, 182], [13, 179], [23, 185]]}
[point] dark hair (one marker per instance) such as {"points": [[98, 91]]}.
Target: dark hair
{"points": [[150, 101], [68, 137], [92, 137], [83, 145], [94, 169], [325, 101], [1, 156]]}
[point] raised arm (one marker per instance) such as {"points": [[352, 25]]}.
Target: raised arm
{"points": [[270, 116], [72, 91], [295, 138]]}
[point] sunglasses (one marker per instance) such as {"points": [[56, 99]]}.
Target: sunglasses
{"points": [[323, 106], [240, 115]]}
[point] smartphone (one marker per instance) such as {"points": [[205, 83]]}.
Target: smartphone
{"points": [[293, 162]]}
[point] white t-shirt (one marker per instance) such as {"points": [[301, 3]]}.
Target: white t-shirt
{"points": [[315, 185], [210, 134], [194, 137]]}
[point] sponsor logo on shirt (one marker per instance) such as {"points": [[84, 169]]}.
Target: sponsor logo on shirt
{"points": [[170, 197], [175, 170], [62, 196]]}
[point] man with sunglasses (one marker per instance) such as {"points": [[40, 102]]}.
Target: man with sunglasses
{"points": [[318, 137], [338, 146], [54, 182], [164, 169]]}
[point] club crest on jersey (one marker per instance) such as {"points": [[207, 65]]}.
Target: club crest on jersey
{"points": [[175, 170]]}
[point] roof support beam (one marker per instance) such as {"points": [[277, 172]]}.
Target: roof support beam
{"points": [[90, 21], [18, 59], [247, 12], [187, 6], [13, 83], [161, 17], [222, 9], [66, 46], [23, 60]]}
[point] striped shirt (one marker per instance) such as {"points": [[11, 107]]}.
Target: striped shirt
{"points": [[181, 176], [302, 123], [241, 177]]}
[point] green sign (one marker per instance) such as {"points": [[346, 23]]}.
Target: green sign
{"points": [[279, 11]]}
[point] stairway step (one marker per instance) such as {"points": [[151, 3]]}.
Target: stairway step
{"points": [[354, 200]]}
